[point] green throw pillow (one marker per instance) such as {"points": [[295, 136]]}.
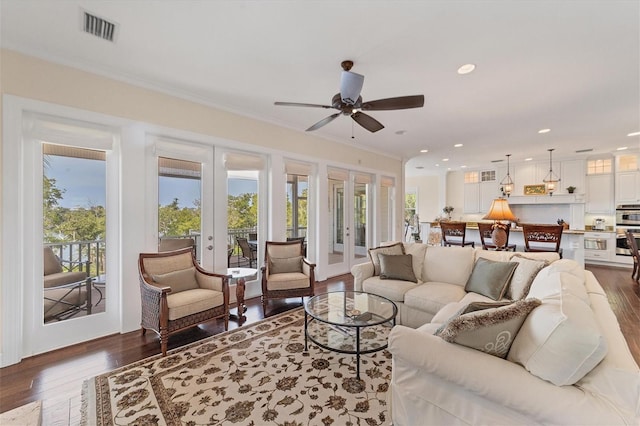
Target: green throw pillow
{"points": [[284, 265], [184, 279], [491, 330], [490, 278], [397, 267]]}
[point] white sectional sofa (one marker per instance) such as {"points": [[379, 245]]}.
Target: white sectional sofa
{"points": [[568, 363]]}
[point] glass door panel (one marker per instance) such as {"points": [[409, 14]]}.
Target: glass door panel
{"points": [[74, 230], [360, 220], [179, 205], [337, 213]]}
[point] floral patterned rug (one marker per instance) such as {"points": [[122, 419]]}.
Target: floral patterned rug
{"points": [[254, 375]]}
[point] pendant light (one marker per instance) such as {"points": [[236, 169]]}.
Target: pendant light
{"points": [[507, 182], [551, 180]]}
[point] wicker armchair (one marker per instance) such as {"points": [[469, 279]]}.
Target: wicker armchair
{"points": [[177, 293], [286, 273]]}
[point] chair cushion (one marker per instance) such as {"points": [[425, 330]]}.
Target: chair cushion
{"points": [[282, 265], [62, 278], [490, 278], [396, 248], [397, 267], [189, 302], [418, 251], [288, 281], [433, 296], [391, 289], [487, 327], [180, 280], [51, 262], [52, 308]]}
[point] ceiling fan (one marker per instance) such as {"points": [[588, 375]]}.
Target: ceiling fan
{"points": [[349, 102]]}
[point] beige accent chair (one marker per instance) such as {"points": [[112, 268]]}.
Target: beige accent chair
{"points": [[286, 273], [177, 293], [66, 291]]}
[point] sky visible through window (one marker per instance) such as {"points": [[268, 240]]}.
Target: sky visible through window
{"points": [[84, 183]]}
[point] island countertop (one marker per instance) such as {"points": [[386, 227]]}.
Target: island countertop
{"points": [[474, 225]]}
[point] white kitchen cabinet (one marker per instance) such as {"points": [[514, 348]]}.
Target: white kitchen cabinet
{"points": [[471, 197], [573, 174], [599, 197], [627, 187], [523, 174], [489, 191]]}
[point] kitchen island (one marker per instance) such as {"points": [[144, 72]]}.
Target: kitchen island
{"points": [[572, 242]]}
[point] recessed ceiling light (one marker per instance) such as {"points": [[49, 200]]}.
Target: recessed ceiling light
{"points": [[463, 167], [424, 150], [401, 132], [448, 168], [466, 69], [528, 159], [544, 130], [420, 167], [445, 159], [458, 145], [634, 134], [622, 148], [437, 165]]}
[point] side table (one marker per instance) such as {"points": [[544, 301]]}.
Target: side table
{"points": [[239, 275]]}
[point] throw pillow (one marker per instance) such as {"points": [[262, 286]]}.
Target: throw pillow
{"points": [[284, 265], [397, 267], [490, 330], [523, 276], [181, 280], [396, 248], [490, 278]]}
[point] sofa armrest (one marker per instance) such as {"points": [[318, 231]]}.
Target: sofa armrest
{"points": [[494, 379], [361, 272]]}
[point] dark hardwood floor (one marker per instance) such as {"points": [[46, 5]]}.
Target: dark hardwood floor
{"points": [[56, 377]]}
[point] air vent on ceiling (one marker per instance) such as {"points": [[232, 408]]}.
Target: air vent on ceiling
{"points": [[497, 161], [584, 150], [99, 27]]}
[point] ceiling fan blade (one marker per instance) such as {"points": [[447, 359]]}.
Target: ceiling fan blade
{"points": [[324, 121], [402, 102], [350, 87], [366, 121], [302, 105]]}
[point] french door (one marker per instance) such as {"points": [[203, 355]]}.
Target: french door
{"points": [[349, 223]]}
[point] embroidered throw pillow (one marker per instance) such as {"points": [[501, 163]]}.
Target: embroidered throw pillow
{"points": [[396, 248], [523, 276], [284, 265], [488, 329], [397, 267], [184, 279], [490, 278]]}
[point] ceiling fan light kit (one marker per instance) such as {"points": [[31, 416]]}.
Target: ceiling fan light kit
{"points": [[349, 102]]}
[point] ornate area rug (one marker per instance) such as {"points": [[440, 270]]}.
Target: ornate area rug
{"points": [[254, 375]]}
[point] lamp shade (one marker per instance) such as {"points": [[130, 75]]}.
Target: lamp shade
{"points": [[500, 211]]}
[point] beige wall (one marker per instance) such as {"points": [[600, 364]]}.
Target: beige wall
{"points": [[428, 188]]}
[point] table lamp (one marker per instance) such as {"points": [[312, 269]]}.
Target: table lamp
{"points": [[500, 211]]}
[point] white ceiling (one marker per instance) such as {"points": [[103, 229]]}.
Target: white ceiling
{"points": [[571, 66]]}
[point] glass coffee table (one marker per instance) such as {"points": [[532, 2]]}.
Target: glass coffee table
{"points": [[349, 322]]}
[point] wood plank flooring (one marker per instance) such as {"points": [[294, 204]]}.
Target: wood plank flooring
{"points": [[56, 377]]}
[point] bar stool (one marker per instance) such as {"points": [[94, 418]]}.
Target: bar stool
{"points": [[545, 237], [453, 234]]}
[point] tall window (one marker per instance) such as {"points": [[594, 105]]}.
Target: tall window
{"points": [[297, 206], [74, 227]]}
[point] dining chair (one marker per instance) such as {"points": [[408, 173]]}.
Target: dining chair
{"points": [[543, 237], [453, 234], [486, 229], [633, 247], [248, 253]]}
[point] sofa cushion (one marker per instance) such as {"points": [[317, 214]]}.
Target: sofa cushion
{"points": [[560, 340], [391, 289], [418, 251], [396, 248], [488, 327], [433, 296], [523, 276], [51, 262], [490, 278], [180, 280], [562, 276], [451, 265], [397, 267], [283, 265]]}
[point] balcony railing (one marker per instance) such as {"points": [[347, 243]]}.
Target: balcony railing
{"points": [[78, 253]]}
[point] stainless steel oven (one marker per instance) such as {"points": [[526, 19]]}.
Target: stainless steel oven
{"points": [[627, 218]]}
